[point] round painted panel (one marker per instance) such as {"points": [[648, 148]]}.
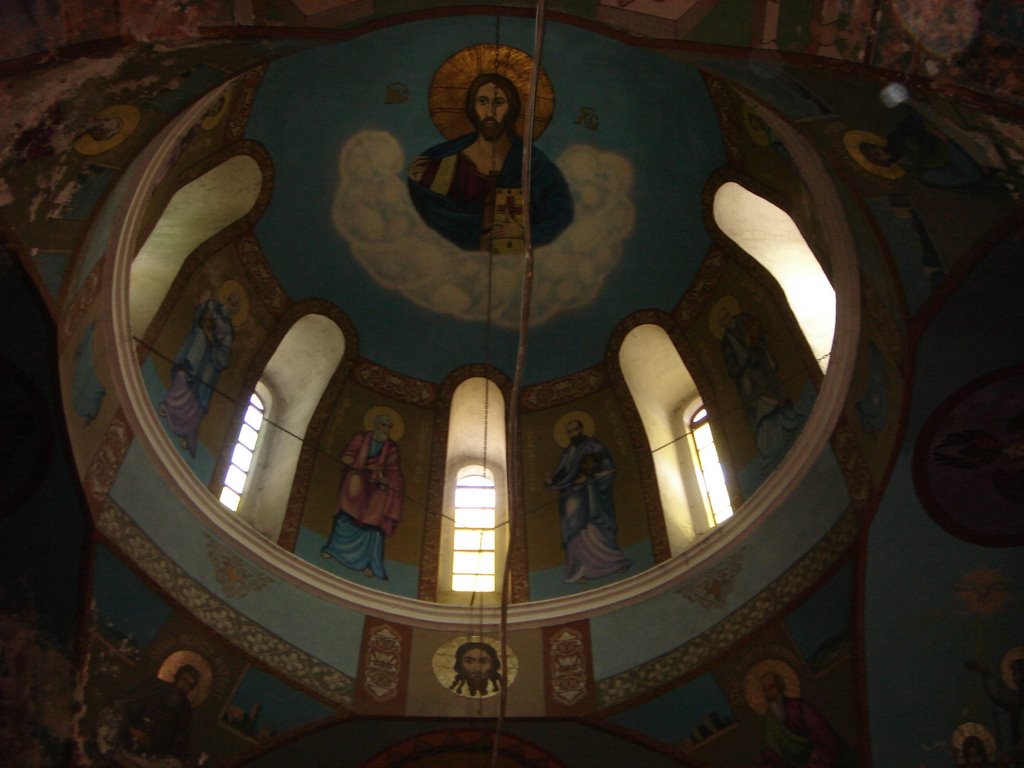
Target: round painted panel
{"points": [[969, 461]]}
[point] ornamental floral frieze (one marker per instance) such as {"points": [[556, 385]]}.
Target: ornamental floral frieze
{"points": [[102, 472], [740, 624], [250, 638]]}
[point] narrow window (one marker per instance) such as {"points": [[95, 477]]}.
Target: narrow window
{"points": [[242, 456], [473, 560], [474, 530], [710, 475]]}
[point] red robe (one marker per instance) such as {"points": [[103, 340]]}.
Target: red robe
{"points": [[371, 490]]}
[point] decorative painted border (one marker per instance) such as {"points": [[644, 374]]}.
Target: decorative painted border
{"points": [[120, 531], [703, 648]]}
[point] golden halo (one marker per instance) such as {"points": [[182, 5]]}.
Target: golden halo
{"points": [[1005, 666], [176, 661], [853, 140], [397, 424], [582, 416], [447, 99], [752, 690], [233, 296], [973, 729], [212, 119], [85, 144], [729, 303], [759, 134], [443, 663]]}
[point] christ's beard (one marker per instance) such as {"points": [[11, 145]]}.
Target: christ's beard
{"points": [[490, 130]]}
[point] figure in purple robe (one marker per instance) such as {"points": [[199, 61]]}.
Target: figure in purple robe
{"points": [[584, 481], [205, 353]]}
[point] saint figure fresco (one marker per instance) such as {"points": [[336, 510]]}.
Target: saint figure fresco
{"points": [[974, 746], [204, 354], [773, 418], [795, 734], [151, 726], [583, 479], [370, 500], [469, 189]]}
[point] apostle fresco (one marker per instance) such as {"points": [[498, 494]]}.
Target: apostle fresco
{"points": [[795, 734], [774, 420], [583, 479], [204, 354], [469, 189], [370, 500]]}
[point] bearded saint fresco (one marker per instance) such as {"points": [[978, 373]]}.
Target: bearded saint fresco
{"points": [[469, 189]]}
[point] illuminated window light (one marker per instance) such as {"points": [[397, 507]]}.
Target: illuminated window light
{"points": [[710, 476], [474, 561], [237, 474]]}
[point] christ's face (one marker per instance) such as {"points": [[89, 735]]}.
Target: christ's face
{"points": [[490, 106], [476, 665]]}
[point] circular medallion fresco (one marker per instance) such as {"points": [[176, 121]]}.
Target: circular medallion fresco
{"points": [[969, 461]]}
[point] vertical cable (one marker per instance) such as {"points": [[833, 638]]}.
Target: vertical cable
{"points": [[515, 502]]}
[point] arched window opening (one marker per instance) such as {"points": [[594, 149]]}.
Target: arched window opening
{"points": [[710, 475], [768, 234], [474, 534], [662, 388], [473, 557], [195, 213], [295, 376], [244, 453]]}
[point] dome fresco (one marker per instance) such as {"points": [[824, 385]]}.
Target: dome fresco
{"points": [[634, 133], [263, 262]]}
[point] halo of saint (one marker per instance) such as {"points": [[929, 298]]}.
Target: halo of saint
{"points": [[584, 418], [855, 142], [110, 127], [753, 691], [233, 296], [727, 303], [175, 661], [397, 423], [980, 733], [1006, 666], [447, 95]]}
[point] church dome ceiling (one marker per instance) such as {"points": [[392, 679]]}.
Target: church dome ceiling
{"points": [[633, 133]]}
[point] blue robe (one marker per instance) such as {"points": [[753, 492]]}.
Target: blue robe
{"points": [[461, 221]]}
